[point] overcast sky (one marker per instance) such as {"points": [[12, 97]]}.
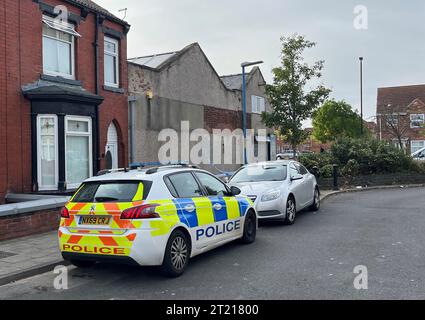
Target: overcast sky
{"points": [[233, 31]]}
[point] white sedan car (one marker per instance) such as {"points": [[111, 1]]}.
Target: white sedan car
{"points": [[278, 189]]}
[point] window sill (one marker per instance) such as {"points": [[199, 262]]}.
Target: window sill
{"points": [[113, 89], [60, 79]]}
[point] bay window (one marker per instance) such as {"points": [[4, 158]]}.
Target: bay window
{"points": [[78, 150], [47, 141]]}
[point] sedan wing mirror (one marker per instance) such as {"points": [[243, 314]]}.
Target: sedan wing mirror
{"points": [[297, 177]]}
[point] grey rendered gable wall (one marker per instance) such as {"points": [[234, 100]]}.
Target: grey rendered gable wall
{"points": [[192, 79]]}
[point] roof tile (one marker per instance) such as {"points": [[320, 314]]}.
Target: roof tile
{"points": [[399, 98]]}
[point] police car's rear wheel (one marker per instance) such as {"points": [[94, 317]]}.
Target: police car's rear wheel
{"points": [[177, 254], [83, 263], [250, 228]]}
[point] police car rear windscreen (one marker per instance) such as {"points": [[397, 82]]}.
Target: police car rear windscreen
{"points": [[113, 191]]}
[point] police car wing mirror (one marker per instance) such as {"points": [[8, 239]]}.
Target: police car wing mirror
{"points": [[235, 191]]}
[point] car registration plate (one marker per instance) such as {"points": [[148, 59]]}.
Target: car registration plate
{"points": [[93, 220]]}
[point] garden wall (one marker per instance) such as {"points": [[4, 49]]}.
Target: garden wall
{"points": [[373, 180]]}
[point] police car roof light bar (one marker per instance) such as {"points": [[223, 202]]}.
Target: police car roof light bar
{"points": [[169, 167], [109, 171]]}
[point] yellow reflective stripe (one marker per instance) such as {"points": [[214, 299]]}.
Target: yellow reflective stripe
{"points": [[76, 192], [232, 206], [139, 193], [204, 211], [168, 212]]}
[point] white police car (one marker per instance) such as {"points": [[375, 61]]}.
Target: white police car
{"points": [[156, 217]]}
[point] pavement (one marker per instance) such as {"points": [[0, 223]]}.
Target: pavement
{"points": [[382, 229], [28, 256]]}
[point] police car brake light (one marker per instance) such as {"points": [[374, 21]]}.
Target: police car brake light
{"points": [[65, 213], [146, 211]]}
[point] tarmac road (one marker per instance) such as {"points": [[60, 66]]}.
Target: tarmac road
{"points": [[314, 259]]}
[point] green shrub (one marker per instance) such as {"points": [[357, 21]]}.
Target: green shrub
{"points": [[418, 166], [373, 156], [351, 169], [361, 157], [315, 161], [326, 171]]}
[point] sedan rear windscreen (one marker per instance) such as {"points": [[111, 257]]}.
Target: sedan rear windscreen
{"points": [[114, 191]]}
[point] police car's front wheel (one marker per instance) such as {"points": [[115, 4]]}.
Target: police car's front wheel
{"points": [[177, 255], [250, 228]]}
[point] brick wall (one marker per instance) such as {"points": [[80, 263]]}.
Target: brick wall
{"points": [[374, 180], [28, 224], [384, 131], [21, 64], [216, 118]]}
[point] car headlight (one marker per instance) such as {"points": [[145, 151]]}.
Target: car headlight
{"points": [[270, 196]]}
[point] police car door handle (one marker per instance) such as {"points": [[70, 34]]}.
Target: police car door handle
{"points": [[217, 206], [189, 208]]}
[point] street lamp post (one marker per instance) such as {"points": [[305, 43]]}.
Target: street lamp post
{"points": [[244, 66], [361, 95]]}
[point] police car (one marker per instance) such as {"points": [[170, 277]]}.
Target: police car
{"points": [[153, 217]]}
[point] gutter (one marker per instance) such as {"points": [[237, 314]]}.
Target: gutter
{"points": [[97, 88]]}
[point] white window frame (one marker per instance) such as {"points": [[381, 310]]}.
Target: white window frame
{"points": [[79, 134], [65, 28], [258, 104], [39, 179], [416, 141], [392, 119], [117, 61], [411, 120]]}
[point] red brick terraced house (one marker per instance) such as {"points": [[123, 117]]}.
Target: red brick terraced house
{"points": [[401, 116], [63, 94]]}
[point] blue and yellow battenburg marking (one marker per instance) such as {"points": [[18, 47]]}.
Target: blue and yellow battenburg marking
{"points": [[199, 212]]}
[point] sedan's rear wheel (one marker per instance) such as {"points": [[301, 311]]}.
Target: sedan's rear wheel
{"points": [[291, 211], [177, 255]]}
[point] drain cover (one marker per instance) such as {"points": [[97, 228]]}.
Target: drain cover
{"points": [[4, 255]]}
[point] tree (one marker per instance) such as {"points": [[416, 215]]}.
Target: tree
{"points": [[290, 102], [397, 124], [336, 119]]}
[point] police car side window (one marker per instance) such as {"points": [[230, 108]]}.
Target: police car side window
{"points": [[185, 185], [214, 186], [171, 187]]}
